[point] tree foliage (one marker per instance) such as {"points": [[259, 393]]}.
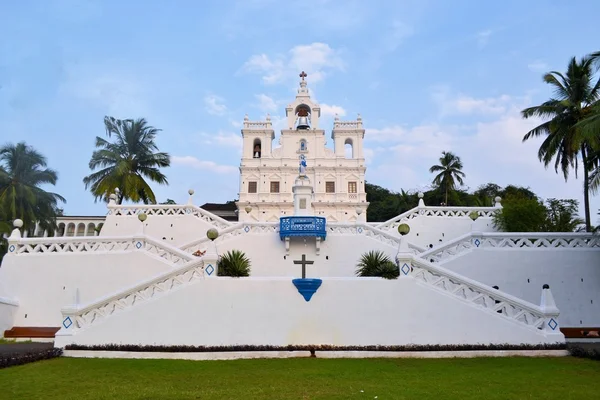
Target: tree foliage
{"points": [[127, 161], [569, 115], [234, 263], [449, 173], [377, 264], [524, 214]]}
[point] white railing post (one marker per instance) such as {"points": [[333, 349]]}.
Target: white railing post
{"points": [[551, 312], [404, 258]]}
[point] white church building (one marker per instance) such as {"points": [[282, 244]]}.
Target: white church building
{"points": [[268, 173], [151, 276]]}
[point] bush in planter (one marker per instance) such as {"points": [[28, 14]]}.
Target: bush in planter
{"points": [[234, 263], [377, 264]]}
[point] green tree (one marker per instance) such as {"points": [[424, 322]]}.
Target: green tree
{"points": [[169, 202], [520, 214], [125, 162], [576, 96], [562, 215], [450, 172], [23, 171]]}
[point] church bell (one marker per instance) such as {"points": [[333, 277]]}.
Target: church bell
{"points": [[303, 123]]}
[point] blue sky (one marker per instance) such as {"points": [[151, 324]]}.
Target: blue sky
{"points": [[425, 75]]}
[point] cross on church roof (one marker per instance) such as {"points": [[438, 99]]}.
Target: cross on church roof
{"points": [[303, 75]]}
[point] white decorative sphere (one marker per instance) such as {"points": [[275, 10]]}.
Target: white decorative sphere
{"points": [[191, 192], [359, 210], [248, 209], [420, 195], [117, 190], [142, 217], [498, 199], [17, 223]]}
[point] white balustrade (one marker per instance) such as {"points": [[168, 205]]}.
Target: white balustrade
{"points": [[75, 318], [168, 210], [97, 244], [480, 295], [522, 241], [447, 212]]}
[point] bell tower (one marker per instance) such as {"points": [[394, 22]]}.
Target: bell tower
{"points": [[303, 114]]}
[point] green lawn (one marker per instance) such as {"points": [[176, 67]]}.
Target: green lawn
{"points": [[483, 378]]}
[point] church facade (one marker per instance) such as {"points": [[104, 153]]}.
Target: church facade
{"points": [[268, 173]]}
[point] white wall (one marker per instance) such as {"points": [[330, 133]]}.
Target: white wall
{"points": [[338, 256], [352, 311], [8, 310], [573, 276], [44, 283], [175, 229]]}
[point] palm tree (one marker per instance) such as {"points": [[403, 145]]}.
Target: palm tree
{"points": [[566, 139], [377, 264], [449, 173], [125, 162], [22, 172]]}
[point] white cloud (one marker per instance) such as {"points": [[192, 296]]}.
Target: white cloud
{"points": [[316, 59], [483, 38], [214, 105], [224, 139], [193, 162], [538, 66], [491, 151], [461, 104], [265, 103], [332, 110]]}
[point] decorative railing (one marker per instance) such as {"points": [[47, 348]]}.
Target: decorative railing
{"points": [[347, 125], [302, 227], [485, 297], [169, 210], [99, 244], [83, 317], [233, 231], [257, 125], [475, 240], [426, 211], [372, 232]]}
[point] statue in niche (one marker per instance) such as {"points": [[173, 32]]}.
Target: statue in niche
{"points": [[302, 165]]}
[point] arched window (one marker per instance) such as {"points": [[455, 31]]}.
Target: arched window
{"points": [[256, 148], [302, 145], [348, 148], [71, 229], [91, 229], [81, 229], [61, 230]]}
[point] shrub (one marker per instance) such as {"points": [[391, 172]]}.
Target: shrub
{"points": [[234, 263], [377, 264]]}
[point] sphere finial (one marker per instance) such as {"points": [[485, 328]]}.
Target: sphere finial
{"points": [[212, 234], [18, 223]]}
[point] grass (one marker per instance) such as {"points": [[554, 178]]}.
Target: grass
{"points": [[12, 341], [308, 378]]}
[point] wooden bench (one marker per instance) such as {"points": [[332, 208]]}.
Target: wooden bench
{"points": [[31, 332], [578, 333]]}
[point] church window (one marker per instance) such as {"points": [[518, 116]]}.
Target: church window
{"points": [[351, 187], [329, 187], [303, 145], [348, 148], [303, 204], [252, 186], [274, 187], [257, 149]]}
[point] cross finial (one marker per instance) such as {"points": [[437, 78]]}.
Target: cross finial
{"points": [[303, 75]]}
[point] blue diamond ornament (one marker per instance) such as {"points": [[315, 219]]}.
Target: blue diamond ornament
{"points": [[210, 269], [11, 248], [552, 324], [67, 323], [405, 269], [477, 242]]}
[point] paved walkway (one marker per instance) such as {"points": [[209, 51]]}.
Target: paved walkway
{"points": [[23, 348]]}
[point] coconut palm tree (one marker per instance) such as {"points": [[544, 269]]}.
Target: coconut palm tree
{"points": [[126, 161], [22, 171], [576, 96], [449, 173]]}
